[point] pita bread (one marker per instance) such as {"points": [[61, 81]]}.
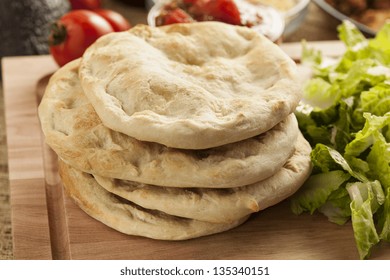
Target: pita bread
{"points": [[128, 217], [219, 205], [76, 133], [189, 86]]}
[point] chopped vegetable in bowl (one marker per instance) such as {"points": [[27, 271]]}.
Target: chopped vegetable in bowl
{"points": [[346, 118], [264, 19]]}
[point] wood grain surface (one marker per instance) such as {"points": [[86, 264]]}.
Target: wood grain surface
{"points": [[48, 225], [30, 224]]}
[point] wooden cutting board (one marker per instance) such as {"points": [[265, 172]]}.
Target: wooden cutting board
{"points": [[47, 225]]}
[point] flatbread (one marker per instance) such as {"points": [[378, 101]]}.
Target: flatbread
{"points": [[189, 86], [75, 132], [128, 217], [219, 205]]}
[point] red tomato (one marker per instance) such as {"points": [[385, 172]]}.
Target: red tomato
{"points": [[85, 4], [74, 32], [219, 10], [225, 11], [117, 21], [177, 16]]}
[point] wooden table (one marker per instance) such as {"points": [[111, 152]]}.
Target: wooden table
{"points": [[317, 26]]}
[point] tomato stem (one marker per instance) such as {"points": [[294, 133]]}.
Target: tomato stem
{"points": [[57, 34]]}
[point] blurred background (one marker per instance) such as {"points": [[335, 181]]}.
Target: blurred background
{"points": [[25, 24]]}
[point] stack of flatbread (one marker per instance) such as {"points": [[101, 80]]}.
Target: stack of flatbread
{"points": [[179, 131]]}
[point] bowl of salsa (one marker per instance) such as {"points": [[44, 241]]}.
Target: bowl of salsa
{"points": [[265, 19]]}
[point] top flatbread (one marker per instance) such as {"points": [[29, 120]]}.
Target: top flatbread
{"points": [[190, 86], [75, 132]]}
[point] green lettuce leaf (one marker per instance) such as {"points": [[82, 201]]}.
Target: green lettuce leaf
{"points": [[337, 207], [365, 138], [345, 116], [350, 35], [378, 161], [376, 101], [316, 191], [380, 45], [366, 200], [384, 219], [327, 159]]}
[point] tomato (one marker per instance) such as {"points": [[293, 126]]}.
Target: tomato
{"points": [[200, 10], [85, 4], [177, 16], [117, 21], [219, 10], [225, 11], [74, 32]]}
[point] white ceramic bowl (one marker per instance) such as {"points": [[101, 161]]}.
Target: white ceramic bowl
{"points": [[295, 16]]}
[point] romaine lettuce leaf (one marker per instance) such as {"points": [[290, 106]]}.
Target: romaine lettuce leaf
{"points": [[371, 131], [379, 163], [327, 159], [337, 207], [316, 191], [351, 36], [366, 200], [384, 219], [346, 119], [380, 45], [376, 100]]}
